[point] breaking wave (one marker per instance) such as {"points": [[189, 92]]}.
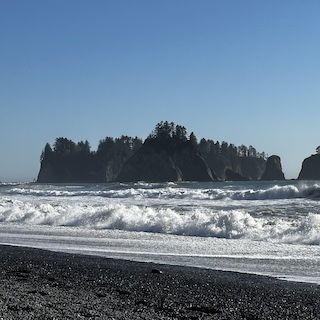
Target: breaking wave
{"points": [[172, 191], [198, 221]]}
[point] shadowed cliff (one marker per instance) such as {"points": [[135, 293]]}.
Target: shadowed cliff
{"points": [[273, 169], [310, 168], [166, 159]]}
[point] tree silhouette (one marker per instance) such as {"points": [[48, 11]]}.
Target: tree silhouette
{"points": [[72, 162]]}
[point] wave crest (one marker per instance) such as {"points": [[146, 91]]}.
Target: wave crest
{"points": [[201, 221], [274, 192]]}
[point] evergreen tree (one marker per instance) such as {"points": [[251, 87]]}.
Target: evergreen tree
{"points": [[225, 148], [180, 133], [193, 140], [63, 146], [84, 147], [204, 146]]}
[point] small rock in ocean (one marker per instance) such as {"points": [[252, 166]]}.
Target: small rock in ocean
{"points": [[157, 271]]}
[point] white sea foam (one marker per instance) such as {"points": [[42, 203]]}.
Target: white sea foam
{"points": [[196, 221], [271, 212], [170, 191]]}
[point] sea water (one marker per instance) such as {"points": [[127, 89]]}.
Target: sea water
{"points": [[269, 228]]}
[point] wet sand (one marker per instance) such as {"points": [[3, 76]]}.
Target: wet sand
{"points": [[39, 284]]}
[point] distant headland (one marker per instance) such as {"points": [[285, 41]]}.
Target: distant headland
{"points": [[167, 154]]}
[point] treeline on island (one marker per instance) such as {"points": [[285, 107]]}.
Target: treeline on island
{"points": [[168, 154], [68, 161]]}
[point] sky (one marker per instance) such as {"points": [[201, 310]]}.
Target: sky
{"points": [[245, 72]]}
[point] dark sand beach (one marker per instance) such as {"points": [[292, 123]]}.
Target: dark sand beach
{"points": [[38, 284]]}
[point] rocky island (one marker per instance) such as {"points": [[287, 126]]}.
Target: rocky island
{"points": [[168, 154]]}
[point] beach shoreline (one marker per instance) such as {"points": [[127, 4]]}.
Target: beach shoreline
{"points": [[40, 284]]}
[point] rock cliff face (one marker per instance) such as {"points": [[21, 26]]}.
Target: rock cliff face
{"points": [[310, 168], [249, 167], [273, 169], [46, 173], [233, 176], [237, 168], [158, 161]]}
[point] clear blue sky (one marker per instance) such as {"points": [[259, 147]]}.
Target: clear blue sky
{"points": [[246, 72]]}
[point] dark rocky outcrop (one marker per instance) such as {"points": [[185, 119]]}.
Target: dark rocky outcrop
{"points": [[249, 168], [46, 173], [310, 168], [234, 176], [273, 169], [166, 155], [244, 161], [160, 160], [69, 162]]}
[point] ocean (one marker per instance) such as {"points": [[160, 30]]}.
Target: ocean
{"points": [[268, 228]]}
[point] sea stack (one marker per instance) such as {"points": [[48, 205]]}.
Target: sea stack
{"points": [[273, 169], [310, 168]]}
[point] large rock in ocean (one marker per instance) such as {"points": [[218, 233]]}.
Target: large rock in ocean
{"points": [[310, 168], [273, 169], [160, 161]]}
